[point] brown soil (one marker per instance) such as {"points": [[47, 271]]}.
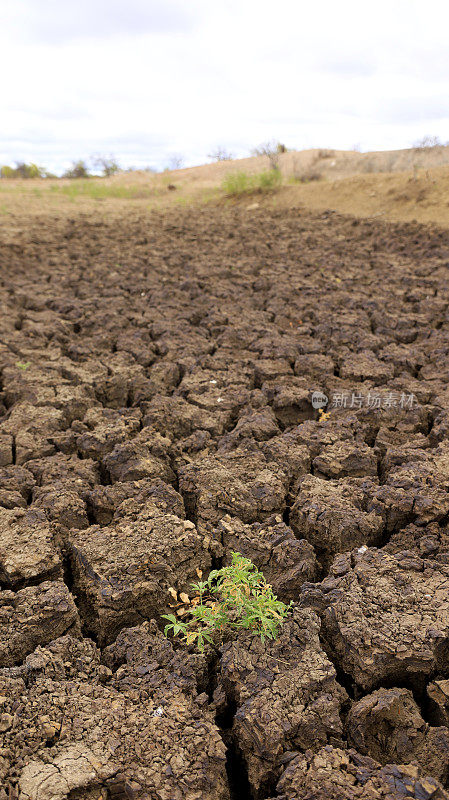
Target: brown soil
{"points": [[157, 372]]}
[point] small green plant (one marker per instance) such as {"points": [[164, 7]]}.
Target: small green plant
{"points": [[233, 597], [23, 364]]}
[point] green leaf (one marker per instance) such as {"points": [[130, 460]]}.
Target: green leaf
{"points": [[170, 617]]}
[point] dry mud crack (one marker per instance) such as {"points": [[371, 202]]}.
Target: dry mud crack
{"points": [[156, 378]]}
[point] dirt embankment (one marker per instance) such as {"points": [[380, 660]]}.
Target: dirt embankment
{"points": [[409, 185], [157, 374]]}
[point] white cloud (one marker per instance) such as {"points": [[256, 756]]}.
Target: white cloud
{"points": [[53, 21], [146, 78]]}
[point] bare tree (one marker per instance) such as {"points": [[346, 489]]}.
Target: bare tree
{"points": [[176, 161], [427, 142], [220, 154]]}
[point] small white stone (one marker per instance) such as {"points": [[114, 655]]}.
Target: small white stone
{"points": [[158, 711], [219, 399], [362, 549], [213, 381]]}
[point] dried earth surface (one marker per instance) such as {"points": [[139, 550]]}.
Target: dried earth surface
{"points": [[156, 382]]}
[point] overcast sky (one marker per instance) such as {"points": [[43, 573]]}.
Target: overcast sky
{"points": [[145, 79]]}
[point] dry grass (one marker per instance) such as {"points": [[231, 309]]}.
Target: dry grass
{"points": [[399, 185]]}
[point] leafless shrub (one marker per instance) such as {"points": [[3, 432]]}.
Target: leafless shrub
{"points": [[427, 142], [373, 165], [323, 153], [368, 165], [176, 161], [272, 150], [220, 154], [151, 170], [309, 175]]}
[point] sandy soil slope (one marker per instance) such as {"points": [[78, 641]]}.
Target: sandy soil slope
{"points": [[402, 186]]}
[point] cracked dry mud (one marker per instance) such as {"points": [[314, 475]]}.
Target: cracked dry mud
{"points": [[155, 415]]}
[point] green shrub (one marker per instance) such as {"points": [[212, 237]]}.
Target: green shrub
{"points": [[23, 170], [28, 170], [231, 598], [237, 184], [269, 180]]}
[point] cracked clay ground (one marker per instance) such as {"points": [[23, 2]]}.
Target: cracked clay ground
{"points": [[156, 375]]}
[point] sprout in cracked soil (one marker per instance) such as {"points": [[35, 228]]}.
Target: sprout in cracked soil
{"points": [[233, 597]]}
